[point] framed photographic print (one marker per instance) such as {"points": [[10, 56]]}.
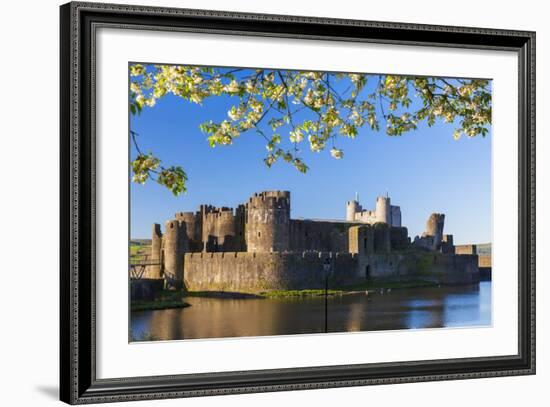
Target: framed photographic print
{"points": [[255, 203]]}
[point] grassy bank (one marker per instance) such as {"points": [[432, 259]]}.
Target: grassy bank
{"points": [[358, 288], [176, 299], [166, 300], [139, 251], [299, 293], [221, 294], [376, 285]]}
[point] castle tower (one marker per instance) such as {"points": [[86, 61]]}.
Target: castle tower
{"points": [[176, 245], [268, 222], [208, 237], [361, 243], [225, 229], [193, 229], [395, 216], [383, 209], [240, 232], [154, 271], [361, 240], [382, 237], [434, 227], [352, 207]]}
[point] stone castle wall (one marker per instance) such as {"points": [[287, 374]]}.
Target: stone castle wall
{"points": [[466, 249], [258, 247], [319, 235], [485, 260], [384, 212], [421, 266], [268, 222], [257, 272]]}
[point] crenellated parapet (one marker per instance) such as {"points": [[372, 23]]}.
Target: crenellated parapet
{"points": [[257, 246], [267, 221], [220, 230], [193, 224], [384, 212]]}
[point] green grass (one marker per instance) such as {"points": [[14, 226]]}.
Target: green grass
{"points": [[157, 305], [299, 293], [373, 285], [166, 300], [138, 252], [221, 294], [175, 299]]}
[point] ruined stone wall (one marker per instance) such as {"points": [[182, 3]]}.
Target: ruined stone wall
{"points": [[367, 216], [219, 229], [485, 260], [434, 228], [257, 272], [447, 244], [208, 238], [319, 235], [154, 271], [466, 249], [267, 222], [335, 236], [382, 238], [240, 228], [361, 240], [399, 237], [395, 216], [422, 266], [193, 225]]}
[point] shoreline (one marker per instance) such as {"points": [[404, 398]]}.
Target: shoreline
{"points": [[175, 299]]}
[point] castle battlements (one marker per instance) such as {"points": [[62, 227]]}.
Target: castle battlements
{"points": [[259, 241], [384, 212]]}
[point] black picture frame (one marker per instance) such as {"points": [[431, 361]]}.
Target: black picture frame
{"points": [[78, 382]]}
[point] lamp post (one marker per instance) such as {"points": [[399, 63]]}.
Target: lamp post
{"points": [[327, 269]]}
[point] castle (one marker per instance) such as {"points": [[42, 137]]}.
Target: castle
{"points": [[258, 247]]}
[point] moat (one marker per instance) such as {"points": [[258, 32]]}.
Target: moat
{"points": [[412, 308]]}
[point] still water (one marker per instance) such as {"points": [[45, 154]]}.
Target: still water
{"points": [[399, 309]]}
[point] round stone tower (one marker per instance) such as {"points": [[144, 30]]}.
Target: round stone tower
{"points": [[383, 209], [154, 270], [268, 222], [352, 207], [225, 230], [176, 245], [192, 226], [434, 227]]}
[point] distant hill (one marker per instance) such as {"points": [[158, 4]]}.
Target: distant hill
{"points": [[140, 242]]}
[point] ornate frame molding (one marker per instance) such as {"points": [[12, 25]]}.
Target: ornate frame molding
{"points": [[78, 380]]}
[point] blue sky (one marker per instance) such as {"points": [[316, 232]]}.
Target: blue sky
{"points": [[423, 171]]}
